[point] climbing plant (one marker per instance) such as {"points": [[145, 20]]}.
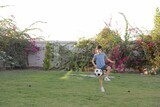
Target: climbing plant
{"points": [[15, 43]]}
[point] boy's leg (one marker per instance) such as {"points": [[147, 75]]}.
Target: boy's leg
{"points": [[101, 84], [107, 73]]}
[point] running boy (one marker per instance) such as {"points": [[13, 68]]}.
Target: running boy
{"points": [[100, 59]]}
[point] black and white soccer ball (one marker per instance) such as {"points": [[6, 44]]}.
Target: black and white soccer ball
{"points": [[98, 72]]}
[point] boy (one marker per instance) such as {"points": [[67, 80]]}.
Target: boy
{"points": [[100, 58]]}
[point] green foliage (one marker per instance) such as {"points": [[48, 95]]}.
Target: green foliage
{"points": [[108, 38], [8, 38], [68, 57], [156, 40], [137, 54], [62, 55], [7, 60], [86, 49], [73, 56], [158, 70], [156, 32], [16, 43], [48, 57]]}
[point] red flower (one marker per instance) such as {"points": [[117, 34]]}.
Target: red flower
{"points": [[150, 44]]}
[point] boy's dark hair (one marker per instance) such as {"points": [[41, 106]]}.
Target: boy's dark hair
{"points": [[99, 47]]}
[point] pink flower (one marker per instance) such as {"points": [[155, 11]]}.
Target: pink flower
{"points": [[150, 44], [34, 49], [136, 62], [124, 59], [116, 55], [121, 61]]}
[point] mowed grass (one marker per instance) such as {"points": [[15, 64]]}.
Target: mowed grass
{"points": [[31, 88]]}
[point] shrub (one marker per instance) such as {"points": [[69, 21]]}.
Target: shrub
{"points": [[48, 56], [16, 43]]}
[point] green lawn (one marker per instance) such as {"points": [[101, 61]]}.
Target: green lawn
{"points": [[47, 89]]}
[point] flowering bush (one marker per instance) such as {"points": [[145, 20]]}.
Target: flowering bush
{"points": [[136, 54], [15, 43]]}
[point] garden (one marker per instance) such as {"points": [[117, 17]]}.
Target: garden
{"points": [[137, 53], [64, 79]]}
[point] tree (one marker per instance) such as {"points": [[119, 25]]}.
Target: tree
{"points": [[156, 30], [108, 38], [156, 39]]}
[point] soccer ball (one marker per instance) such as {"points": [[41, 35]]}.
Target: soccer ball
{"points": [[98, 72]]}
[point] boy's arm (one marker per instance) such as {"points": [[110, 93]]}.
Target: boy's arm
{"points": [[110, 60], [94, 63]]}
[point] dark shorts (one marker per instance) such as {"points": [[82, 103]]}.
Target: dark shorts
{"points": [[104, 67]]}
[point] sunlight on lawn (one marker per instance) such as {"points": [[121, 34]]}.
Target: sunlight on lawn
{"points": [[66, 75]]}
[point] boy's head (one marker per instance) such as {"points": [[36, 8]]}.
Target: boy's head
{"points": [[99, 49]]}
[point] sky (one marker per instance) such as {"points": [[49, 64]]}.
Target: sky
{"points": [[69, 20]]}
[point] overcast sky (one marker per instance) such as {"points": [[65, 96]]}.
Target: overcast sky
{"points": [[72, 19]]}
